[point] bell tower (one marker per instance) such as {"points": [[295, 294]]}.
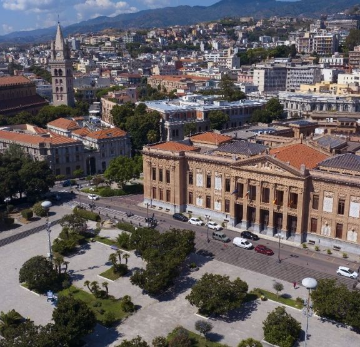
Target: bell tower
{"points": [[61, 71]]}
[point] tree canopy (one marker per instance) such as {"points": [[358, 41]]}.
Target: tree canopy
{"points": [[280, 328], [353, 39], [228, 90], [273, 111], [217, 119], [122, 169], [216, 294]]}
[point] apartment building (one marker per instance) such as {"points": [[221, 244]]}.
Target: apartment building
{"points": [[270, 78], [354, 58], [297, 75], [321, 42], [169, 83], [296, 190]]}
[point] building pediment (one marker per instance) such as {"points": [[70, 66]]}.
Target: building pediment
{"points": [[269, 164]]}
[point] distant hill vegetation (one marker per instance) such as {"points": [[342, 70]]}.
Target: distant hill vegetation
{"points": [[186, 15]]}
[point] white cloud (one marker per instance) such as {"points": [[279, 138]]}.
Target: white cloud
{"points": [[7, 28], [38, 6], [157, 3], [95, 8]]}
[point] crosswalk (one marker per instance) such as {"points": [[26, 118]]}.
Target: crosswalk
{"points": [[108, 212]]}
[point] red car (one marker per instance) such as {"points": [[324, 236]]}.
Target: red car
{"points": [[264, 250]]}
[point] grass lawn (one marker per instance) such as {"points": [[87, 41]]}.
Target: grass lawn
{"points": [[110, 274], [103, 305], [105, 240], [280, 299], [198, 341]]}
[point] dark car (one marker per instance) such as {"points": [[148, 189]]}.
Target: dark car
{"points": [[66, 183], [180, 217], [263, 250], [249, 235]]}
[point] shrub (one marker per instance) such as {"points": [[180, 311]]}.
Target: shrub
{"points": [[121, 269], [27, 214], [304, 245], [250, 342], [125, 226], [109, 318], [134, 189], [97, 304], [39, 210], [8, 221], [345, 255], [73, 182], [126, 304], [299, 301], [180, 339], [66, 246], [87, 214], [9, 208], [59, 177], [328, 251], [123, 240], [108, 192], [317, 248], [160, 341]]}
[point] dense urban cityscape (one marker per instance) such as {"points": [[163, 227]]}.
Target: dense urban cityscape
{"points": [[182, 185]]}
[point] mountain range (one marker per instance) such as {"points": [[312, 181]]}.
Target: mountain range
{"points": [[187, 15]]}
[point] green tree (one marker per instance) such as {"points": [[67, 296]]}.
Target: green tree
{"points": [[152, 136], [203, 327], [8, 321], [38, 274], [180, 338], [81, 108], [121, 113], [120, 170], [78, 173], [250, 342], [39, 210], [275, 109], [216, 294], [280, 328], [160, 341], [353, 39], [74, 223], [135, 342], [278, 287], [73, 318], [190, 128], [218, 119]]}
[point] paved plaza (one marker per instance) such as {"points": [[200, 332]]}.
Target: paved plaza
{"points": [[156, 316]]}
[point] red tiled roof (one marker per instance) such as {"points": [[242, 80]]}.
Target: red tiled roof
{"points": [[35, 139], [299, 154], [173, 146], [211, 138], [81, 131], [20, 103], [107, 133], [11, 80], [63, 123]]}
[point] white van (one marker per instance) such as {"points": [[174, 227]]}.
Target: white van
{"points": [[243, 243]]}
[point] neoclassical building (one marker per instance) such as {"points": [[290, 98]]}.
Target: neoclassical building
{"points": [[296, 190]]}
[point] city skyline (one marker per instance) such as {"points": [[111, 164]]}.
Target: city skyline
{"points": [[23, 15]]}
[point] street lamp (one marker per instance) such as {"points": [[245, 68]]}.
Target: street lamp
{"points": [[280, 237], [207, 218], [46, 206], [309, 283], [7, 200]]}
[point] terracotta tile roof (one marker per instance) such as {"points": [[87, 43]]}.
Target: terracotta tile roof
{"points": [[20, 103], [299, 154], [35, 139], [211, 138], [173, 146], [107, 133], [11, 80], [347, 161], [63, 123], [81, 131], [39, 130]]}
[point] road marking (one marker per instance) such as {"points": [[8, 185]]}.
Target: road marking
{"points": [[107, 279], [199, 315]]}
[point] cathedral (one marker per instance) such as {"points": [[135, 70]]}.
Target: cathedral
{"points": [[61, 71]]}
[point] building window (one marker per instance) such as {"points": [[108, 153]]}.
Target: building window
{"points": [[154, 174], [252, 192], [57, 161], [341, 206], [167, 176], [227, 206], [208, 201], [191, 199], [240, 189], [160, 175], [338, 231], [154, 193], [77, 157], [161, 194], [265, 195], [208, 181], [57, 172], [315, 202], [191, 178], [313, 225], [293, 200], [227, 184], [68, 171], [279, 198], [168, 195], [67, 159]]}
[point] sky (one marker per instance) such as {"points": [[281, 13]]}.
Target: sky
{"points": [[16, 15]]}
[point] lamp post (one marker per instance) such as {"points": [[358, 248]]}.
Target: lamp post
{"points": [[309, 283], [207, 218], [280, 237], [46, 206], [7, 200]]}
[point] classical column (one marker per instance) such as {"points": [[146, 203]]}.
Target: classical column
{"points": [[244, 222], [257, 207], [285, 227], [299, 222], [270, 227]]}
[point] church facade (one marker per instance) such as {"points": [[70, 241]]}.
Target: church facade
{"points": [[61, 71]]}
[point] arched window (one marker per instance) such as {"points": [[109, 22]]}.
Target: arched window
{"points": [[61, 89], [56, 72], [60, 81], [57, 89], [60, 72], [56, 81]]}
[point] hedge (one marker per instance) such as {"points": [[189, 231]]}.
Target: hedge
{"points": [[87, 214], [39, 210], [27, 214], [134, 189], [125, 226]]}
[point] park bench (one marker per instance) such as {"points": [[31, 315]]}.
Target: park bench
{"points": [[311, 242], [336, 248]]}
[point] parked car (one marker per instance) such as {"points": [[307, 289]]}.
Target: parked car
{"points": [[66, 183], [220, 236], [263, 250], [347, 272], [242, 243], [196, 221], [93, 197], [180, 217], [249, 235], [213, 225]]}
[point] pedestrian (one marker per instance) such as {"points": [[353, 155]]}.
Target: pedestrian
{"points": [[294, 285]]}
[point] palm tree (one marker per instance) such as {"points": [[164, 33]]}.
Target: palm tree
{"points": [[94, 287], [126, 256], [10, 319], [87, 284], [105, 285], [58, 261], [119, 255], [66, 263], [113, 259]]}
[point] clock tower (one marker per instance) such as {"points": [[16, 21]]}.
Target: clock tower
{"points": [[61, 71]]}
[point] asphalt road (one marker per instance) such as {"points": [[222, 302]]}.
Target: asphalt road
{"points": [[295, 264]]}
